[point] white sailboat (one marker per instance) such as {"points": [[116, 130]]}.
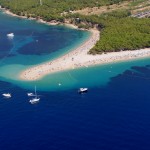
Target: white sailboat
{"points": [[35, 99]]}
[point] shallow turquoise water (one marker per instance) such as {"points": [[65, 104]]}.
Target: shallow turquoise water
{"points": [[35, 43], [95, 76]]}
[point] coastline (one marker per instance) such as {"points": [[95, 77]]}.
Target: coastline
{"points": [[78, 57], [68, 61], [8, 12]]}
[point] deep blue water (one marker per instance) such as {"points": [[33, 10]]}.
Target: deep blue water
{"points": [[113, 115]]}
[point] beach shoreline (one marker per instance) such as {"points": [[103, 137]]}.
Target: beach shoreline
{"points": [[53, 22], [65, 62], [78, 57]]}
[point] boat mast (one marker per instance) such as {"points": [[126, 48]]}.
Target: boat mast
{"points": [[35, 90]]}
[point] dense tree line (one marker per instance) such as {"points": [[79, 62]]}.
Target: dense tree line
{"points": [[119, 31], [123, 34], [51, 9]]}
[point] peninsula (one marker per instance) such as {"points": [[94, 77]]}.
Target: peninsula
{"points": [[116, 34], [80, 58]]}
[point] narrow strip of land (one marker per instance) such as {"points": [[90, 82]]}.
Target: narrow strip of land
{"points": [[80, 58]]}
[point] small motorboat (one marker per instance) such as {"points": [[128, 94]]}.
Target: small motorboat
{"points": [[30, 94], [10, 35], [7, 95], [83, 90]]}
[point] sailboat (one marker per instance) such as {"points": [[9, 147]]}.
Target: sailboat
{"points": [[35, 99]]}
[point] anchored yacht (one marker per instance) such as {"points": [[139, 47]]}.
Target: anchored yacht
{"points": [[10, 35], [35, 99], [7, 95], [83, 90]]}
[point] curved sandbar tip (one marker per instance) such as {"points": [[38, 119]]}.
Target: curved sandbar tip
{"points": [[80, 58], [71, 60]]}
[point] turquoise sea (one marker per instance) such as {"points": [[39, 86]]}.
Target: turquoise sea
{"points": [[113, 115]]}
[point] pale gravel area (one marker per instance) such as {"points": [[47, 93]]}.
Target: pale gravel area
{"points": [[80, 58]]}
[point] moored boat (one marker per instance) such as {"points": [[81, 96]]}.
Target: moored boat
{"points": [[30, 94], [83, 90], [10, 35], [7, 95], [35, 99]]}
